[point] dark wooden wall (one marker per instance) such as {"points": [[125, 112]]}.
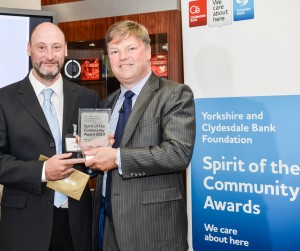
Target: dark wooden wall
{"points": [[168, 22], [51, 2]]}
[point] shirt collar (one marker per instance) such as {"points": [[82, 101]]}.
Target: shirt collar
{"points": [[136, 89], [38, 87]]}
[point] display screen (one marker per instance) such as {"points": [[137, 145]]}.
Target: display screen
{"points": [[15, 30]]}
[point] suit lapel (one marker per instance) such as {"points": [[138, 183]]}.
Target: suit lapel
{"points": [[111, 100], [141, 104], [30, 101], [71, 96]]}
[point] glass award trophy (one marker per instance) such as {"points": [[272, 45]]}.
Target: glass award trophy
{"points": [[93, 127]]}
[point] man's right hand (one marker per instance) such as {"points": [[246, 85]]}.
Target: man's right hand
{"points": [[60, 166]]}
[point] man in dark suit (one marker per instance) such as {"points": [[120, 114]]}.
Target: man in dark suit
{"points": [[147, 189], [29, 219]]}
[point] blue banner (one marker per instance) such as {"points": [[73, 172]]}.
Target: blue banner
{"points": [[245, 174]]}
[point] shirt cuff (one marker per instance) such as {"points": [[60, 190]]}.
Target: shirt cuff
{"points": [[44, 173], [118, 161]]}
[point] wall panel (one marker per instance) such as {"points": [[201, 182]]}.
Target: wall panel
{"points": [[168, 22], [51, 2]]}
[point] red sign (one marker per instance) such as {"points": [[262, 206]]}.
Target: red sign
{"points": [[90, 69], [159, 64], [197, 13]]}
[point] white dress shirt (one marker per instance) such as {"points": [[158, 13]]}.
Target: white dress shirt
{"points": [[57, 100]]}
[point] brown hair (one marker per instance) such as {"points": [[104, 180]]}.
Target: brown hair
{"points": [[122, 29]]}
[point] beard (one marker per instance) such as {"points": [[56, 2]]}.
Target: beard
{"points": [[49, 76]]}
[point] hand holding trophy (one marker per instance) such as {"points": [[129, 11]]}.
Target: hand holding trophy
{"points": [[93, 130], [92, 133]]}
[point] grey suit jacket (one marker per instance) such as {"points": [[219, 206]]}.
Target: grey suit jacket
{"points": [[148, 199], [27, 204]]}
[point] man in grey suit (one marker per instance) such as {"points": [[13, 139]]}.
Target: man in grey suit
{"points": [[29, 219], [147, 189]]}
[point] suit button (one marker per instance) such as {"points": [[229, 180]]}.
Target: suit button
{"points": [[52, 144]]}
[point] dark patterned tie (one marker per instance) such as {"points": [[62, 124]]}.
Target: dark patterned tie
{"points": [[123, 117]]}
